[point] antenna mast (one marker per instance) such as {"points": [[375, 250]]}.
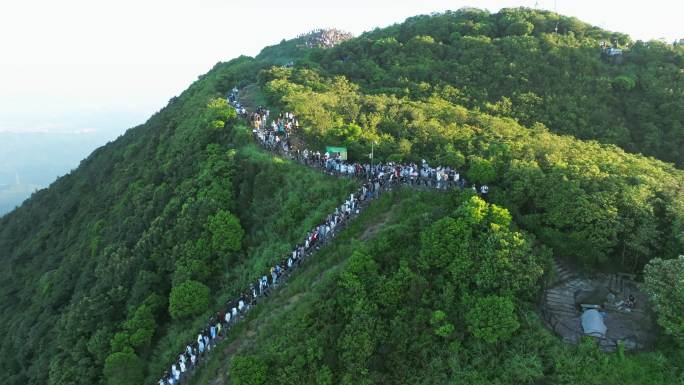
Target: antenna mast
{"points": [[555, 10]]}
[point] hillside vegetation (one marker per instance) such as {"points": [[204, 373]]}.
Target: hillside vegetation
{"points": [[592, 203], [99, 267], [180, 204], [514, 64], [441, 293]]}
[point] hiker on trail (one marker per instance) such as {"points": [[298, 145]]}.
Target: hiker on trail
{"points": [[207, 343], [176, 373], [227, 318], [630, 302], [264, 280], [274, 277]]}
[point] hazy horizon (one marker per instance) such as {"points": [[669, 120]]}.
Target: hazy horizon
{"points": [[75, 64], [78, 68]]}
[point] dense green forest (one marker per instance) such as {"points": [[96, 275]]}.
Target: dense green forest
{"points": [[592, 203], [182, 205], [99, 266], [513, 64]]}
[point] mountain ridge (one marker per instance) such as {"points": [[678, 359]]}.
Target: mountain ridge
{"points": [[92, 260]]}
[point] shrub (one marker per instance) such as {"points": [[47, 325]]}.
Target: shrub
{"points": [[188, 299], [492, 319], [124, 368]]}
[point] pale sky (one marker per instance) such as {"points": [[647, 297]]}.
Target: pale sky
{"points": [[78, 65]]}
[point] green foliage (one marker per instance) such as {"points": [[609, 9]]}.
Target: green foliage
{"points": [[226, 233], [375, 315], [477, 250], [442, 328], [245, 370], [664, 282], [123, 368], [93, 262], [141, 327], [218, 113], [515, 61], [520, 28], [589, 202], [492, 319], [624, 82], [481, 170], [190, 298]]}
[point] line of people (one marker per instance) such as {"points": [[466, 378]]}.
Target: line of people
{"points": [[378, 178], [276, 137], [218, 326], [198, 350]]}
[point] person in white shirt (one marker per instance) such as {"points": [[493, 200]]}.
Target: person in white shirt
{"points": [[175, 372]]}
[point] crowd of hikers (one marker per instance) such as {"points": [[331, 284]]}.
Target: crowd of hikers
{"points": [[276, 137], [377, 178], [219, 324]]}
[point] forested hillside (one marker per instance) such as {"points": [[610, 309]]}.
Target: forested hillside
{"points": [[513, 64], [181, 203], [426, 288], [592, 203], [442, 289]]}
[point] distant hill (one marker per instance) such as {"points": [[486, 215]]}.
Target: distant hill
{"points": [[36, 159], [11, 195], [581, 80]]}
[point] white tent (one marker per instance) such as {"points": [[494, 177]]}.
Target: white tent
{"points": [[592, 323]]}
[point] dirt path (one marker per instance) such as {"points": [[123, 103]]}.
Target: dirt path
{"points": [[374, 228], [248, 96]]}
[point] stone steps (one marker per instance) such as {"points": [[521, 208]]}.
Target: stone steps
{"points": [[560, 303], [560, 298]]}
